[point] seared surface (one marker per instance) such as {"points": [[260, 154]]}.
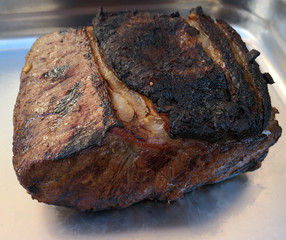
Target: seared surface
{"points": [[126, 170], [163, 58], [109, 120], [62, 106]]}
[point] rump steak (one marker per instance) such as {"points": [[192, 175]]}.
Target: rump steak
{"points": [[139, 106]]}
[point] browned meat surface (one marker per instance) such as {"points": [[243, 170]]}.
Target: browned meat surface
{"points": [[194, 74], [139, 106]]}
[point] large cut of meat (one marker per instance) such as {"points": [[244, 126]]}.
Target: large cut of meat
{"points": [[139, 106]]}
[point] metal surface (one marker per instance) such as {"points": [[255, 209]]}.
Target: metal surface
{"points": [[250, 206]]}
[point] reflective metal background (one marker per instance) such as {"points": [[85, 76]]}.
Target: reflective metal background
{"points": [[250, 206]]}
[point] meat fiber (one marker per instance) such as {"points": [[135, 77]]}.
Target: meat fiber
{"points": [[139, 106]]}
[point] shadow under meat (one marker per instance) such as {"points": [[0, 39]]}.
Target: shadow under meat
{"points": [[197, 210]]}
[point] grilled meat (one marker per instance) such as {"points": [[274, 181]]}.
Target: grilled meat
{"points": [[139, 106], [197, 77]]}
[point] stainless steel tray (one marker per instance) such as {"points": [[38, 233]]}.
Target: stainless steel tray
{"points": [[250, 206]]}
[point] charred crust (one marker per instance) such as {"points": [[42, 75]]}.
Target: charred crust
{"points": [[151, 51], [259, 107], [33, 189], [261, 115], [252, 55], [261, 84], [268, 78], [100, 14], [234, 35], [175, 14], [169, 93], [198, 10], [192, 31]]}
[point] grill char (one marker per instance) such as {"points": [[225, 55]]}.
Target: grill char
{"points": [[160, 57]]}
